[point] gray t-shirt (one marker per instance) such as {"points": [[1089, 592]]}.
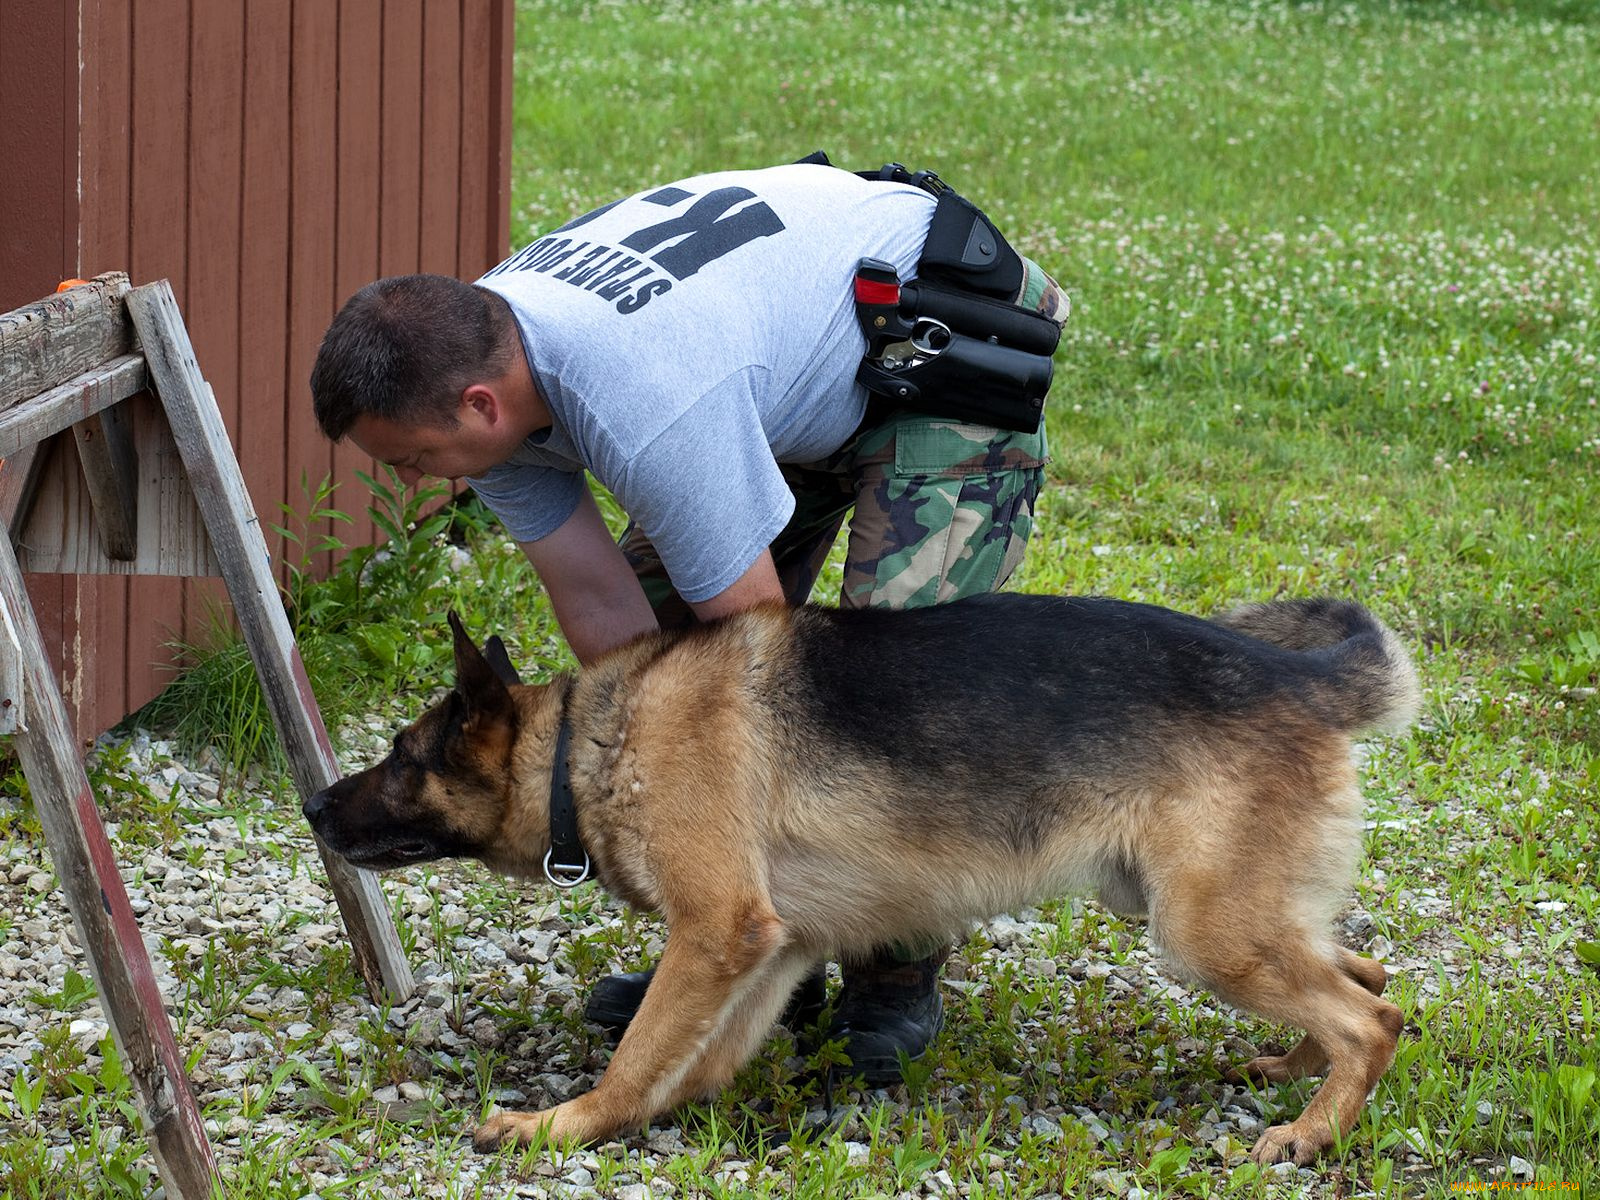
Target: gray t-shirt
{"points": [[688, 339]]}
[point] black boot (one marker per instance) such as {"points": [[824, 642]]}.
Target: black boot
{"points": [[888, 1008], [614, 1000]]}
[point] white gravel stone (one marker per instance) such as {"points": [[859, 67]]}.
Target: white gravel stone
{"points": [[1109, 1182]]}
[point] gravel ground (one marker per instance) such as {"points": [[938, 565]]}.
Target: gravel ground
{"points": [[252, 876]]}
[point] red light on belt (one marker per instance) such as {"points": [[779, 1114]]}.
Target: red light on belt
{"points": [[872, 291]]}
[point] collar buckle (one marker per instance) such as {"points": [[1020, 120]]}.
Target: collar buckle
{"points": [[565, 875]]}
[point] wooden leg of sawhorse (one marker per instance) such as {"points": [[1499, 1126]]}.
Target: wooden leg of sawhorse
{"points": [[235, 531], [107, 930]]}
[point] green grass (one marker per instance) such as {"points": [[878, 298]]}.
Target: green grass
{"points": [[1335, 272]]}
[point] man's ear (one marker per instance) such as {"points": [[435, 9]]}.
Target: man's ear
{"points": [[476, 682], [482, 401]]}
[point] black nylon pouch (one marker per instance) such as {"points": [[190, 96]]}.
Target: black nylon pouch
{"points": [[964, 249]]}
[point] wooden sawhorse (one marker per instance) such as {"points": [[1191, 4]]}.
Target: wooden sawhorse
{"points": [[70, 362]]}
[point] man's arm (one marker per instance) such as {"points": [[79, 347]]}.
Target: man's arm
{"points": [[597, 599], [758, 585], [596, 596]]}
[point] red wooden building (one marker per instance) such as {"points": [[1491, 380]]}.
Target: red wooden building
{"points": [[269, 157]]}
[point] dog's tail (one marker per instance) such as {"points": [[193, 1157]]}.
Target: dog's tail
{"points": [[1374, 682]]}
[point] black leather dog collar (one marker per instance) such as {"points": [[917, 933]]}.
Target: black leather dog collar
{"points": [[566, 863]]}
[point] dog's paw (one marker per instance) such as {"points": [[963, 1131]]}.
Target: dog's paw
{"points": [[1284, 1143], [511, 1129]]}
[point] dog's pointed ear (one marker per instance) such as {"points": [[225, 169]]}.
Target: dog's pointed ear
{"points": [[500, 662], [476, 680]]}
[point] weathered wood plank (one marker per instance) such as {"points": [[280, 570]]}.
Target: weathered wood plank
{"points": [[19, 482], [13, 688], [61, 523], [110, 471], [107, 930], [32, 419], [46, 343], [61, 534], [236, 536]]}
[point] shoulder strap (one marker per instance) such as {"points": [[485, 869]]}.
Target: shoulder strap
{"points": [[964, 249]]}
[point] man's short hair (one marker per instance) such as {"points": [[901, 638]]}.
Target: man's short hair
{"points": [[404, 348]]}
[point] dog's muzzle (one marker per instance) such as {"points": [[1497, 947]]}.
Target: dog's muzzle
{"points": [[315, 807]]}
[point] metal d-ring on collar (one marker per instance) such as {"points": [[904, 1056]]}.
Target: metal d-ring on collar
{"points": [[566, 863]]}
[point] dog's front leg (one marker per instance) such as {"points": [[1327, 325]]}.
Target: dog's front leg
{"points": [[711, 962]]}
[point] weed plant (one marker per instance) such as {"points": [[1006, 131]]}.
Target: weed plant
{"points": [[369, 627]]}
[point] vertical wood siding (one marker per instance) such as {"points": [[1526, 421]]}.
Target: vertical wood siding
{"points": [[105, 159], [158, 247], [38, 220], [358, 132], [269, 157]]}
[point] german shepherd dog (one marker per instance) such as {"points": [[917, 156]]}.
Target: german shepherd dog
{"points": [[790, 785]]}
